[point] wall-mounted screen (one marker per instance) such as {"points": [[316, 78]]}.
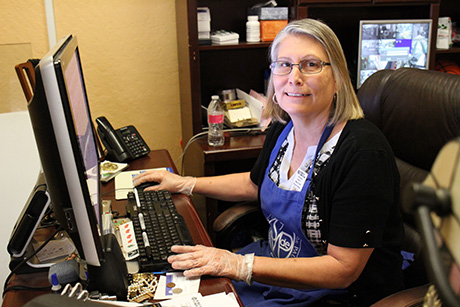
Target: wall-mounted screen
{"points": [[391, 44]]}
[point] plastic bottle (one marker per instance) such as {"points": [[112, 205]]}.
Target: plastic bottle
{"points": [[253, 29], [215, 122]]}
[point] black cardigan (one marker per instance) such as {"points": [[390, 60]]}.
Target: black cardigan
{"points": [[358, 192]]}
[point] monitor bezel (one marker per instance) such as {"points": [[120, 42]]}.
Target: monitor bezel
{"points": [[391, 21]]}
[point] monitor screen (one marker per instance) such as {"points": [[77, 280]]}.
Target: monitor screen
{"points": [[391, 44], [67, 147]]}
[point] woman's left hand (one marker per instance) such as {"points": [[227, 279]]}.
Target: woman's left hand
{"points": [[201, 260]]}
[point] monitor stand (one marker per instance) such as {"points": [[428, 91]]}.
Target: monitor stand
{"points": [[112, 276]]}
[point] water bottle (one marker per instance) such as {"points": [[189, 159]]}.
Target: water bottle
{"points": [[253, 29], [215, 122]]}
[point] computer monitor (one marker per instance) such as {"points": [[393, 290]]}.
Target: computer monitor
{"points": [[391, 44], [66, 143]]}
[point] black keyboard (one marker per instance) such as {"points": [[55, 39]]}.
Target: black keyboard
{"points": [[157, 221]]}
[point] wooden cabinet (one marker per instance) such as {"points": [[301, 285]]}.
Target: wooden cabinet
{"points": [[204, 70]]}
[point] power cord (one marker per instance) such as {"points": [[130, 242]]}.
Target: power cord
{"points": [[20, 287], [201, 134]]}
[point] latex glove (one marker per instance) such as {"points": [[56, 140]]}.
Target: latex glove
{"points": [[167, 181], [201, 260]]}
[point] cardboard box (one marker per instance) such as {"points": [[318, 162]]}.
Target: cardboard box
{"points": [[270, 28]]}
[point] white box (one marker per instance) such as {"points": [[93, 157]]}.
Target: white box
{"points": [[444, 37], [223, 37], [204, 35], [204, 19]]}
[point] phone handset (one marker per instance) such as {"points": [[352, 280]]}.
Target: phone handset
{"points": [[114, 145]]}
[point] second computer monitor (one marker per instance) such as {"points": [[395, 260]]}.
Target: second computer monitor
{"points": [[391, 44]]}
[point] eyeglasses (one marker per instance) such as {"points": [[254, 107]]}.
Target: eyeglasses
{"points": [[307, 67]]}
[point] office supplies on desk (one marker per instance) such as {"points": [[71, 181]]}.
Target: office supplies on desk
{"points": [[157, 226], [111, 169], [175, 284]]}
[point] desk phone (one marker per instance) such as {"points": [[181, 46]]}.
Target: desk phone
{"points": [[123, 144]]}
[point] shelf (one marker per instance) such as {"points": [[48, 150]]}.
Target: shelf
{"points": [[450, 50], [238, 46]]}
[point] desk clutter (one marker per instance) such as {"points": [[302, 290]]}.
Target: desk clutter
{"points": [[243, 109], [145, 235], [75, 295]]}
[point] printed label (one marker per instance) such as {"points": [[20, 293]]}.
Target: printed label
{"points": [[216, 119]]}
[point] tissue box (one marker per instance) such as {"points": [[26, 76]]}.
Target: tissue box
{"points": [[270, 28], [272, 13]]}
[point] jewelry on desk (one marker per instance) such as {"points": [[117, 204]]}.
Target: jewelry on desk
{"points": [[142, 287]]}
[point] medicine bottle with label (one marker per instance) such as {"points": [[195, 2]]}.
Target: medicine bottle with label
{"points": [[253, 29]]}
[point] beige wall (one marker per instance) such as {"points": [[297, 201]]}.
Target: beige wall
{"points": [[129, 56]]}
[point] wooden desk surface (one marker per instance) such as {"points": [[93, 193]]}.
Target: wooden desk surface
{"points": [[157, 158], [236, 147]]}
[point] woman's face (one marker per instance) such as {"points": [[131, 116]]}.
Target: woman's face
{"points": [[304, 95]]}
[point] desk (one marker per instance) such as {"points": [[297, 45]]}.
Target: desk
{"points": [[157, 158], [238, 154]]}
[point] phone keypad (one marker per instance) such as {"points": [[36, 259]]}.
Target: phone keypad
{"points": [[136, 145]]}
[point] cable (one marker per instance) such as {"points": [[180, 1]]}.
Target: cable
{"points": [[197, 136], [6, 289]]}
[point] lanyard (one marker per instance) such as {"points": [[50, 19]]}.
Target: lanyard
{"points": [[324, 136]]}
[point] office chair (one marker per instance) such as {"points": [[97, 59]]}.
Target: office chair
{"points": [[418, 111], [436, 207]]}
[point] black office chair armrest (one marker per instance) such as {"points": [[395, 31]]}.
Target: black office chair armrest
{"points": [[406, 298], [233, 214], [238, 226]]}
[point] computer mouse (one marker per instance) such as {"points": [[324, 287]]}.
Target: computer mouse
{"points": [[145, 185]]}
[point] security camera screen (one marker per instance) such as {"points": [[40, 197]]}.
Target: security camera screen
{"points": [[392, 45]]}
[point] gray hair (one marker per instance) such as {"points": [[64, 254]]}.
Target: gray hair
{"points": [[346, 102]]}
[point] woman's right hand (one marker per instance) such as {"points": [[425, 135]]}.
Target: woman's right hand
{"points": [[166, 181]]}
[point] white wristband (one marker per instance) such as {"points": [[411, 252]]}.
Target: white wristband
{"points": [[249, 261]]}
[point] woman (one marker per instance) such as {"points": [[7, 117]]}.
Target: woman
{"points": [[335, 229]]}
